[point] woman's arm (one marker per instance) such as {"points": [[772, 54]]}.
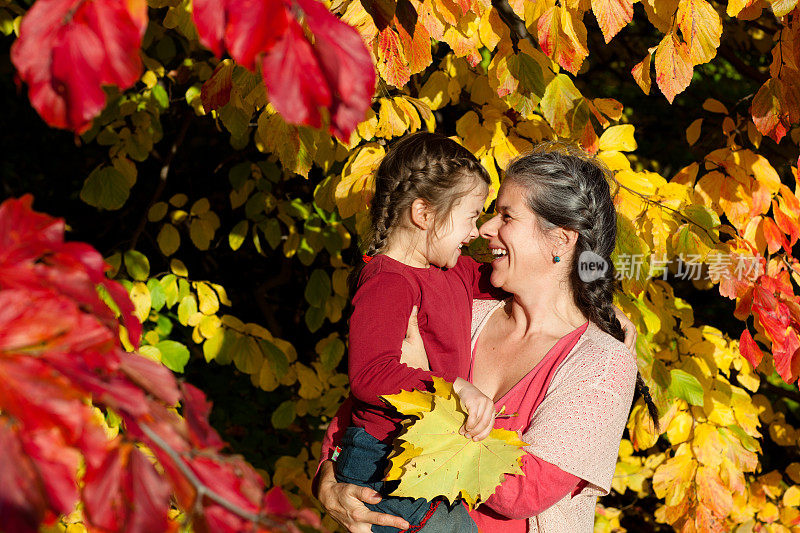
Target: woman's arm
{"points": [[542, 485], [345, 503]]}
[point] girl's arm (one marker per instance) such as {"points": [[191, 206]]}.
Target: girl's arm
{"points": [[381, 309]]}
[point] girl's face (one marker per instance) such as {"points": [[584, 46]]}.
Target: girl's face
{"points": [[521, 249], [446, 240]]}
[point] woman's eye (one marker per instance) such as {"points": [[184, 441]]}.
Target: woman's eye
{"points": [[505, 218]]}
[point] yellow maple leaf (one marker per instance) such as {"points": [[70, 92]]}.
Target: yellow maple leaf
{"points": [[432, 459]]}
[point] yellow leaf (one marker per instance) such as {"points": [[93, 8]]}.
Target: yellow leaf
{"points": [[558, 100], [492, 29], [209, 304], [609, 107], [463, 467], [413, 402], [391, 119], [562, 36], [353, 192], [679, 428], [701, 27], [201, 232], [793, 471], [619, 138], [614, 160], [310, 384], [672, 478], [140, 296], [157, 212], [791, 498], [209, 325], [693, 131], [169, 240]]}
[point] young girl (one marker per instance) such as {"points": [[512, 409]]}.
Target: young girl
{"points": [[429, 191]]}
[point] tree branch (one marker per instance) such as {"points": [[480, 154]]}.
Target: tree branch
{"points": [[203, 491], [162, 180]]}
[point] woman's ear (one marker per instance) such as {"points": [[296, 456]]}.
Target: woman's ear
{"points": [[421, 214], [564, 241]]}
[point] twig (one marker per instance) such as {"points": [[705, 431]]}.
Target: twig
{"points": [[162, 183], [203, 491]]}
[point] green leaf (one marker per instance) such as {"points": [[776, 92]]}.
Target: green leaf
{"points": [[330, 352], [284, 415], [528, 72], [157, 295], [106, 188], [272, 231], [137, 265], [277, 359], [318, 289], [685, 386], [174, 355], [186, 309], [170, 285], [160, 96], [315, 316]]}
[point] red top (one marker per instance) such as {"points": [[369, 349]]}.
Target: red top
{"points": [[520, 497], [382, 305]]}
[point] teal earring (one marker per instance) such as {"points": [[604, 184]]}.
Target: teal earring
{"points": [[556, 259]]}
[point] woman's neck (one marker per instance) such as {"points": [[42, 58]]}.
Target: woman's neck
{"points": [[544, 312]]}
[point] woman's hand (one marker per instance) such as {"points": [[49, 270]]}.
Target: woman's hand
{"points": [[479, 408], [345, 503], [413, 350], [630, 329]]}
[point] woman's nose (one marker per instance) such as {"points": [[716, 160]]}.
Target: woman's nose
{"points": [[489, 228]]}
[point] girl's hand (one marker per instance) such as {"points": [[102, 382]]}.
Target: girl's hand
{"points": [[630, 329], [345, 503], [413, 350], [479, 408]]}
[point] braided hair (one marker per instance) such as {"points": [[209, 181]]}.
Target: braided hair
{"points": [[422, 165], [568, 189]]}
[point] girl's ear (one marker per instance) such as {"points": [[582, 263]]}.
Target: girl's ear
{"points": [[421, 214]]}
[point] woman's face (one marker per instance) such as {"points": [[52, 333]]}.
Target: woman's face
{"points": [[521, 249]]}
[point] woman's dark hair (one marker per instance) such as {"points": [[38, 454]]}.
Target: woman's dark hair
{"points": [[421, 165], [566, 188]]}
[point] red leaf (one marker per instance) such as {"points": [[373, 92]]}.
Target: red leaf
{"points": [[393, 66], [216, 91], [150, 376], [195, 411], [68, 49], [148, 497], [749, 349], [769, 110], [297, 86], [57, 466], [209, 17], [276, 502], [101, 490], [21, 499], [346, 64], [253, 28], [786, 354]]}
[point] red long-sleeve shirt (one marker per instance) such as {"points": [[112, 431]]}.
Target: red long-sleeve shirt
{"points": [[382, 306]]}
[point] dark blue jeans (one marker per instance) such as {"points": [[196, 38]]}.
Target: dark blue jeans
{"points": [[363, 461]]}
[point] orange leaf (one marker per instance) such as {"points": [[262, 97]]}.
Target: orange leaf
{"points": [[712, 493], [773, 235], [701, 28], [749, 349], [563, 37], [417, 47], [392, 64], [641, 73], [612, 15], [673, 66], [768, 110]]}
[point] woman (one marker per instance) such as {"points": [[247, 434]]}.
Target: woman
{"points": [[552, 352]]}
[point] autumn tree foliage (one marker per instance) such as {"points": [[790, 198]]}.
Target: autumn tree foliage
{"points": [[228, 148]]}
